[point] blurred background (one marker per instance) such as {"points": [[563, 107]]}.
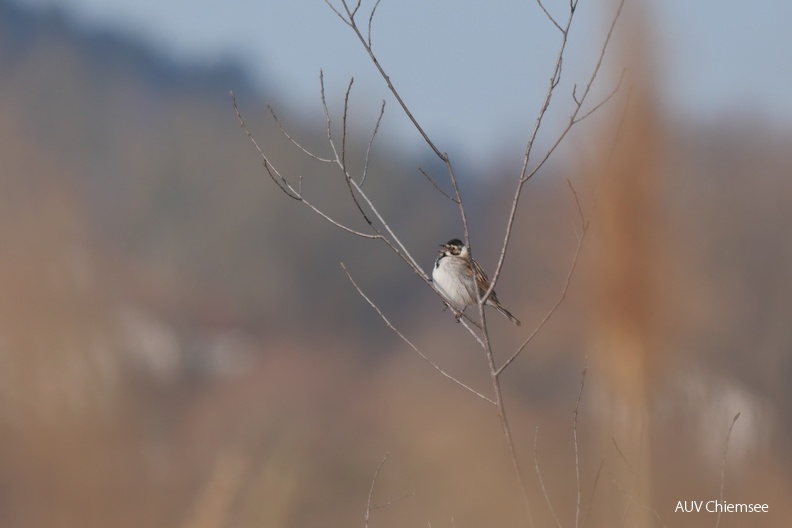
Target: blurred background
{"points": [[180, 347]]}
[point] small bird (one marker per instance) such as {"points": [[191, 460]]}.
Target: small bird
{"points": [[457, 276]]}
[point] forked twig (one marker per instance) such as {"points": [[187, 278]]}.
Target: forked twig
{"points": [[411, 345], [294, 141], [371, 490], [549, 16], [562, 296], [287, 188], [574, 118], [338, 13], [350, 21], [371, 507], [357, 193]]}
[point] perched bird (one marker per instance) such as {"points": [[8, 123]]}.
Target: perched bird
{"points": [[461, 280]]}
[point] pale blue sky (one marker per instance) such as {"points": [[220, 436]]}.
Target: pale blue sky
{"points": [[473, 72]]}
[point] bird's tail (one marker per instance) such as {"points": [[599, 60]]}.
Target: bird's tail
{"points": [[508, 314]]}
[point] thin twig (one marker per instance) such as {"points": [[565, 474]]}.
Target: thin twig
{"points": [[581, 238], [577, 202], [337, 12], [594, 488], [601, 57], [354, 11], [618, 450], [501, 406], [371, 141], [344, 122], [723, 465], [276, 177], [371, 490], [553, 20], [371, 21], [575, 438], [328, 129], [371, 507], [394, 243], [443, 156], [604, 100], [555, 78], [286, 187], [294, 141], [441, 191], [411, 345], [512, 449], [541, 480]]}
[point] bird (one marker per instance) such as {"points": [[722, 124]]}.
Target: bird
{"points": [[457, 275]]}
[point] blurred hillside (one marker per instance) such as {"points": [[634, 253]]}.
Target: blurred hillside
{"points": [[181, 348]]}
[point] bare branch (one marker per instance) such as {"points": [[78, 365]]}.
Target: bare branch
{"points": [[288, 188], [541, 480], [434, 184], [337, 12], [594, 487], [371, 141], [603, 50], [371, 507], [575, 437], [580, 239], [276, 177], [294, 141], [371, 21], [577, 202], [723, 464], [354, 188], [504, 419], [410, 344], [347, 12], [574, 95], [549, 16], [355, 10], [618, 450], [397, 246], [371, 489], [344, 120], [605, 100], [356, 191], [366, 42], [328, 130], [555, 78]]}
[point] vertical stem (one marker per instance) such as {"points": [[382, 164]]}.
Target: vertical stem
{"points": [[502, 416]]}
